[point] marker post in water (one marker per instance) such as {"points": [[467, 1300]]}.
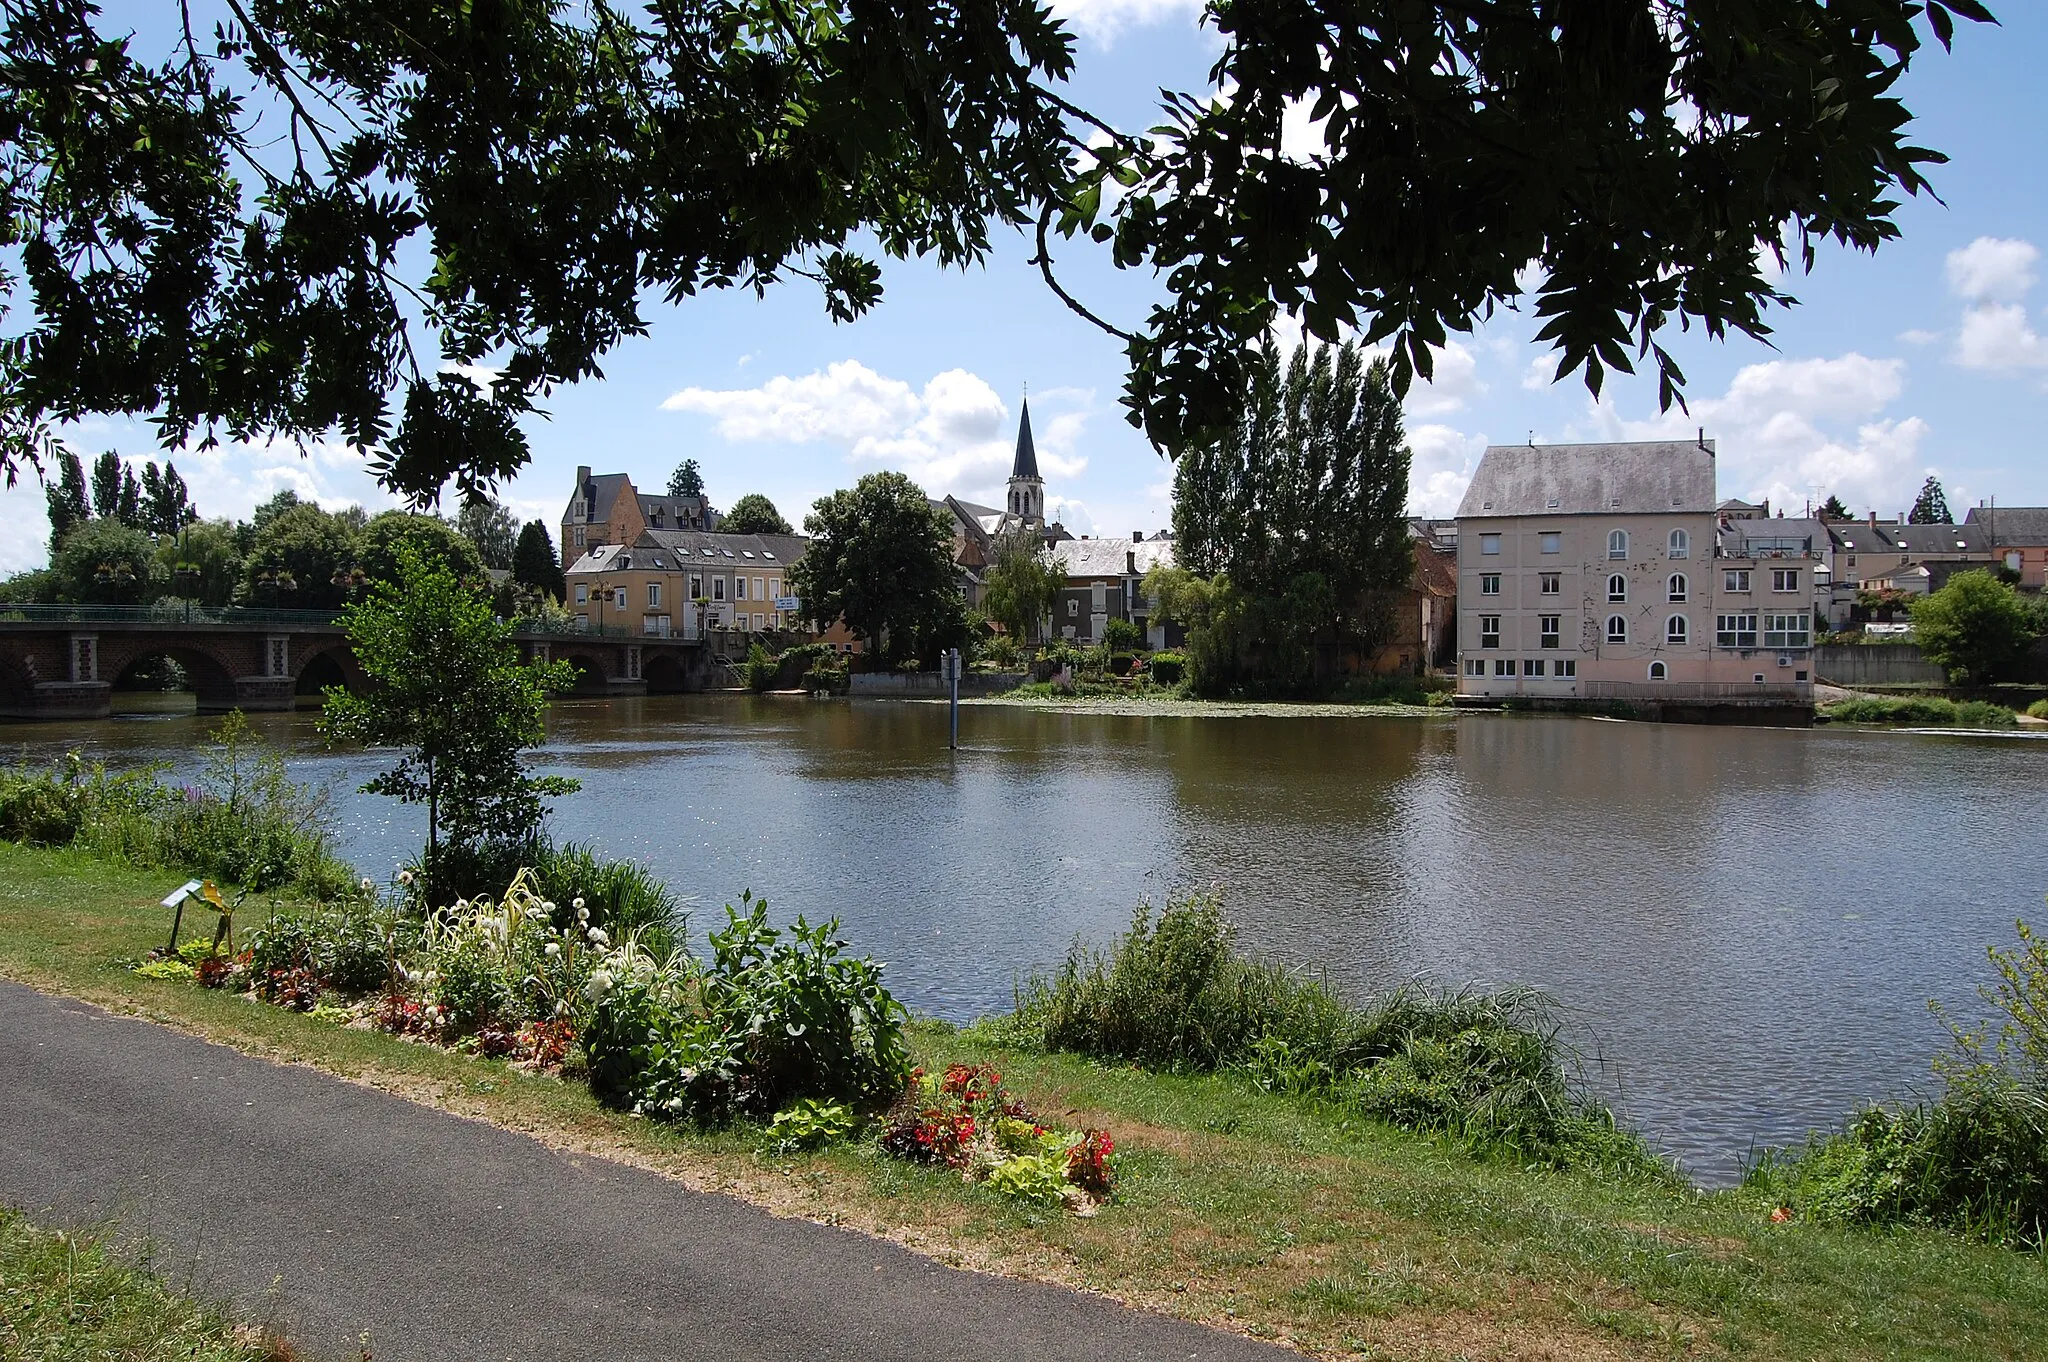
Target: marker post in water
{"points": [[949, 663]]}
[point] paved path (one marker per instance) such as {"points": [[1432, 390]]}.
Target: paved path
{"points": [[450, 1239]]}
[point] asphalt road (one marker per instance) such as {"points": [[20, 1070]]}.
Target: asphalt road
{"points": [[444, 1238]]}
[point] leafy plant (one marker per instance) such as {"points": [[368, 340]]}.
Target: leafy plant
{"points": [[811, 1123], [1040, 1178]]}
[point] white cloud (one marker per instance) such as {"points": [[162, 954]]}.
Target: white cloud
{"points": [[848, 401], [1456, 382], [1919, 337], [1105, 20], [955, 436], [1998, 338], [1441, 464], [1993, 269]]}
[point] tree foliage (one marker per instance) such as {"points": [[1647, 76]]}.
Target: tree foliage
{"points": [[881, 559], [1300, 511], [300, 557], [1975, 627], [687, 480], [534, 564], [305, 220], [1833, 509], [1022, 583], [491, 529], [66, 497], [104, 562], [1931, 506], [453, 696], [754, 514], [379, 545]]}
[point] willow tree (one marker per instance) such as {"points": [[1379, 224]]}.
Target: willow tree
{"points": [[1022, 583]]}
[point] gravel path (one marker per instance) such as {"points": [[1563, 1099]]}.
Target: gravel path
{"points": [[451, 1239]]}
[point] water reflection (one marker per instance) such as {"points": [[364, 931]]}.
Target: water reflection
{"points": [[1749, 921]]}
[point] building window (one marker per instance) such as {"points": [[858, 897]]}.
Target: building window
{"points": [[718, 588], [1735, 631], [1852, 560], [739, 588], [1617, 545], [1489, 584], [1675, 631], [582, 594], [1475, 666], [1617, 588], [1568, 666], [1503, 666], [1547, 624], [1547, 583], [1788, 631], [1735, 579], [619, 597], [1681, 544], [757, 621], [760, 588], [1489, 631], [1617, 629], [1657, 671], [696, 586], [1674, 590], [1073, 607], [775, 587], [1489, 543], [1550, 541], [579, 536], [1784, 579], [654, 595], [1532, 666]]}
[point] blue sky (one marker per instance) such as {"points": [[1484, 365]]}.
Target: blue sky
{"points": [[1930, 357]]}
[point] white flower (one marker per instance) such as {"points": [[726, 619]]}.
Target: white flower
{"points": [[368, 884], [435, 1012], [597, 935], [577, 903], [599, 985], [405, 877], [462, 905], [547, 905], [554, 948]]}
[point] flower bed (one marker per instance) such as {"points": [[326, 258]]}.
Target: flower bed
{"points": [[968, 1121]]}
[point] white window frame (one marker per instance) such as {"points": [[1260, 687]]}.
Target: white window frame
{"points": [[1617, 588], [1678, 631], [1548, 627], [696, 585], [1475, 666], [1073, 608], [1503, 666], [1659, 672], [1676, 588], [1617, 637], [1550, 541], [618, 598], [1489, 628], [1736, 580], [582, 593], [1679, 545], [1489, 544], [654, 595], [1785, 580], [1730, 631], [1489, 584], [718, 588], [1532, 666], [1549, 584], [1617, 546], [1788, 629]]}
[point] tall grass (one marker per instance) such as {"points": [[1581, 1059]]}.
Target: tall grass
{"points": [[244, 820], [1173, 993]]}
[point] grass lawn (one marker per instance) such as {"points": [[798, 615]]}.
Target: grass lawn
{"points": [[1272, 1215]]}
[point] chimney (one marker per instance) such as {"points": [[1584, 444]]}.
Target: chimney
{"points": [[1137, 536], [1130, 562]]}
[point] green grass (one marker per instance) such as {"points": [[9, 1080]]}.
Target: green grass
{"points": [[1280, 1215], [1920, 712], [64, 1298]]}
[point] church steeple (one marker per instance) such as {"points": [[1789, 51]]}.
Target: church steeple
{"points": [[1027, 489]]}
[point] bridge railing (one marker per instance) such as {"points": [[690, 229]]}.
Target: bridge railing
{"points": [[167, 612]]}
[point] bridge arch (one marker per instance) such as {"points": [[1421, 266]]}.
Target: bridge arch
{"points": [[592, 677], [208, 675], [664, 672], [327, 663]]}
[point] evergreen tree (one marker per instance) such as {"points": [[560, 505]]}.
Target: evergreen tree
{"points": [[1932, 506], [534, 564], [106, 486], [754, 514], [1833, 509], [686, 481], [67, 498]]}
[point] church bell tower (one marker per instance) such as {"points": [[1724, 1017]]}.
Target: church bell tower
{"points": [[1027, 489]]}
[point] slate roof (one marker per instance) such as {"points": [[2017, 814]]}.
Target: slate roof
{"points": [[1026, 465], [676, 509], [601, 490], [1934, 541], [677, 550], [1091, 558], [2013, 526], [1604, 479]]}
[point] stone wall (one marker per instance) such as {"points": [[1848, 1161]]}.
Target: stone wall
{"points": [[932, 684], [1876, 664]]}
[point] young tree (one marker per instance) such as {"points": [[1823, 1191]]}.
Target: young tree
{"points": [[1833, 509], [1975, 628], [66, 498], [534, 564], [451, 693], [881, 559], [686, 481], [1023, 582], [492, 529], [517, 179], [754, 514], [1931, 508]]}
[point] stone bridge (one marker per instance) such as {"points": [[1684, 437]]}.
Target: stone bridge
{"points": [[66, 662]]}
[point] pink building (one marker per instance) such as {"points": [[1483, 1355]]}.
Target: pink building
{"points": [[1594, 572]]}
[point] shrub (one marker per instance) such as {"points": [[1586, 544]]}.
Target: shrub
{"points": [[1122, 635], [1921, 711], [1169, 669], [832, 680], [1984, 714], [349, 949], [1174, 994], [1120, 664], [760, 670], [2038, 710]]}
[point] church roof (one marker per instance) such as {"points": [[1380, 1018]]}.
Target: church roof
{"points": [[1027, 453]]}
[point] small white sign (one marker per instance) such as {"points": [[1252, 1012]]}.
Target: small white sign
{"points": [[789, 603]]}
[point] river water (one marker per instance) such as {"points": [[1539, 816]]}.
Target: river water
{"points": [[1746, 925]]}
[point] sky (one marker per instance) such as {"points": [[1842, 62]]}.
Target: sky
{"points": [[1929, 357]]}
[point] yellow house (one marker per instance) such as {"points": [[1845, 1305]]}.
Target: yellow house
{"points": [[680, 582]]}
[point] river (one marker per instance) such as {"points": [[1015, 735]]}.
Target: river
{"points": [[1746, 925]]}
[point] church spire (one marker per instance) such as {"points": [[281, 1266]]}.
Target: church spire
{"points": [[1026, 465]]}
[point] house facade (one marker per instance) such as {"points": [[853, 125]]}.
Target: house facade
{"points": [[606, 509], [680, 582], [1106, 581], [2017, 538], [1595, 572]]}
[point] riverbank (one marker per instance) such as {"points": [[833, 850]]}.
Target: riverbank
{"points": [[1273, 1215], [1167, 706]]}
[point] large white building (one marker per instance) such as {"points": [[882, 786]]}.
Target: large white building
{"points": [[1596, 572]]}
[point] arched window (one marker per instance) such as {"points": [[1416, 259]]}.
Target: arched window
{"points": [[1675, 630], [1617, 629], [1681, 543], [1617, 588], [1675, 591], [1657, 671], [1617, 544]]}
